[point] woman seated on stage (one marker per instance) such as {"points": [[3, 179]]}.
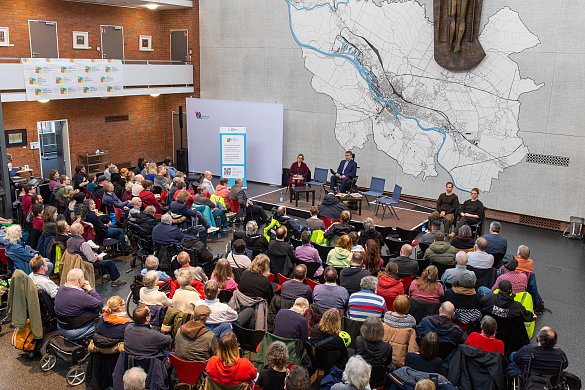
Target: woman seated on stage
{"points": [[299, 170]]}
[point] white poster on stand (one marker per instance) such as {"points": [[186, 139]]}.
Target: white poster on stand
{"points": [[233, 154]]}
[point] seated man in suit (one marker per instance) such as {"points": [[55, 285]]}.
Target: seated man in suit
{"points": [[347, 169]]}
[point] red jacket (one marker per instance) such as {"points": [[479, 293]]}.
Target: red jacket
{"points": [[26, 205], [148, 199], [242, 371], [189, 201], [197, 285], [389, 287]]}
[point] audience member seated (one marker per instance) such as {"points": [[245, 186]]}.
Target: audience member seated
{"points": [[37, 224], [465, 299], [453, 274], [173, 190], [296, 287], [280, 249], [49, 217], [545, 357], [137, 186], [147, 221], [346, 170], [306, 252], [29, 191], [471, 212], [427, 360], [221, 315], [255, 242], [227, 368], [518, 279], [503, 304], [406, 265], [330, 295], [238, 194], [331, 207], [62, 232], [182, 186], [110, 198], [151, 264], [160, 180], [399, 330], [486, 340], [340, 228], [314, 222], [442, 325], [369, 232], [447, 205], [524, 260], [135, 379], [166, 234], [185, 297], [425, 384], [340, 256], [429, 237], [356, 375], [326, 336], [350, 277], [60, 188], [149, 294], [355, 241], [372, 260], [480, 258], [76, 245], [236, 257], [193, 341], [463, 239], [427, 289], [272, 378], [224, 275], [20, 253], [150, 171], [297, 378], [440, 251], [254, 282], [194, 217], [140, 340], [148, 198], [279, 218], [389, 285], [39, 268], [127, 182], [366, 302], [370, 346], [114, 321], [89, 213], [291, 323], [98, 190], [496, 243], [222, 190], [76, 304], [201, 199]]}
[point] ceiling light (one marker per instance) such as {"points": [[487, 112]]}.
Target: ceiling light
{"points": [[155, 94], [44, 101], [152, 6]]}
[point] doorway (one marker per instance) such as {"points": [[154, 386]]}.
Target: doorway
{"points": [[43, 39], [179, 44], [112, 42], [54, 147]]}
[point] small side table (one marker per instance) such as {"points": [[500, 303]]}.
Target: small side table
{"points": [[297, 191]]}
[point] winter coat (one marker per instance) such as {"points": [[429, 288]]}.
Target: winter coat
{"points": [[339, 257], [472, 368], [389, 287], [441, 252], [403, 340], [443, 326], [331, 207]]}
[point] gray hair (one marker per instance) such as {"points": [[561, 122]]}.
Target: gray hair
{"points": [[495, 226], [74, 275], [166, 219], [302, 302], [150, 210], [151, 262], [357, 372], [461, 258], [184, 276], [369, 283], [135, 201], [464, 231], [239, 180], [134, 379], [150, 279], [369, 225], [76, 228], [251, 228], [13, 234]]}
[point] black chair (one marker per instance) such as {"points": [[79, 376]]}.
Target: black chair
{"points": [[386, 259], [485, 277], [323, 251], [420, 309], [224, 296], [498, 257], [357, 225], [295, 243], [280, 265], [394, 245], [378, 377], [441, 268], [321, 359], [407, 235], [387, 231], [247, 338], [339, 269], [237, 274], [312, 267], [423, 248]]}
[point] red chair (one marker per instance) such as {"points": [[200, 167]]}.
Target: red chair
{"points": [[282, 278], [235, 206], [270, 276], [163, 195], [329, 222], [85, 190], [118, 215], [188, 372], [98, 203], [312, 284], [389, 301], [406, 280], [462, 326]]}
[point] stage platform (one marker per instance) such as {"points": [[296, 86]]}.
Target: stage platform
{"points": [[411, 215]]}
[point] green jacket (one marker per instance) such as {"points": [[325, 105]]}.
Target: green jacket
{"points": [[58, 191], [441, 252], [339, 257], [296, 351], [23, 303], [174, 319], [274, 224]]}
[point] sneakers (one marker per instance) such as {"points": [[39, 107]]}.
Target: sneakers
{"points": [[106, 277], [212, 230], [118, 282], [226, 229]]}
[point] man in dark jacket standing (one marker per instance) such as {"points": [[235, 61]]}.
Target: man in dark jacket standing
{"points": [[442, 325], [446, 206]]}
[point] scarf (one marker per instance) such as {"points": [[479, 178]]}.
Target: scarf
{"points": [[463, 290], [116, 319]]}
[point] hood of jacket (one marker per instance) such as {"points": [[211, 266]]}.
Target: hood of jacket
{"points": [[330, 200], [442, 324], [193, 329], [388, 282], [377, 350], [342, 254], [440, 247], [350, 271]]}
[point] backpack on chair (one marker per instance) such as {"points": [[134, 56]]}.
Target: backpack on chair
{"points": [[23, 339]]}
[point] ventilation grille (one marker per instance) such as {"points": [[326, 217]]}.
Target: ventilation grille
{"points": [[540, 222], [117, 118], [548, 160]]}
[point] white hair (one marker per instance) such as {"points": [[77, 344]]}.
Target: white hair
{"points": [[357, 372], [150, 279], [495, 226], [369, 283], [184, 276], [134, 379], [302, 302], [166, 219], [74, 275], [461, 258], [369, 225], [76, 228], [151, 262], [251, 228], [13, 234]]}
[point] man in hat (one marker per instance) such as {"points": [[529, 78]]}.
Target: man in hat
{"points": [[464, 297], [442, 324], [194, 342]]}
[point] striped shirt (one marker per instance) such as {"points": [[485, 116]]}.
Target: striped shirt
{"points": [[519, 281], [365, 303]]}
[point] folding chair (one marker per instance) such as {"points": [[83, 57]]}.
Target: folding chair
{"points": [[376, 188], [387, 203], [319, 179]]}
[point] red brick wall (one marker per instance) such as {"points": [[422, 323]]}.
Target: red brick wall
{"points": [[148, 133]]}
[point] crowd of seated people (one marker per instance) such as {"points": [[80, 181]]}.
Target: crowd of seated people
{"points": [[356, 292]]}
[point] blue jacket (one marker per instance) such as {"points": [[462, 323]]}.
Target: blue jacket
{"points": [[444, 327], [20, 254], [140, 340], [111, 198], [164, 234], [351, 168]]}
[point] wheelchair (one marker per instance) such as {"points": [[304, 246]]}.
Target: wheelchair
{"points": [[557, 381], [56, 346], [140, 241], [133, 298]]}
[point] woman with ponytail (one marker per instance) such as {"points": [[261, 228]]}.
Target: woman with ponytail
{"points": [[427, 289], [114, 320]]}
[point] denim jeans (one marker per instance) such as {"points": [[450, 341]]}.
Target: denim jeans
{"points": [[79, 333], [118, 234], [220, 329], [219, 213], [109, 267], [50, 266]]}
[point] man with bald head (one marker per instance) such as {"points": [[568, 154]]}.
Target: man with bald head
{"points": [[442, 324], [546, 358], [406, 265], [479, 258], [207, 183]]}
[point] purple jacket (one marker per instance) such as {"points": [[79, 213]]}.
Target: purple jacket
{"points": [[307, 253]]}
